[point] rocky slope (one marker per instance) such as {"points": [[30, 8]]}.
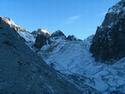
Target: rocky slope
{"points": [[22, 71], [108, 42]]}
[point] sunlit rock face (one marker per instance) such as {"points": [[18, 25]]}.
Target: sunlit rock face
{"points": [[58, 34], [41, 31], [7, 23], [109, 40], [4, 22]]}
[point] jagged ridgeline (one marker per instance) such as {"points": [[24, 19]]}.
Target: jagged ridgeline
{"points": [[109, 40]]}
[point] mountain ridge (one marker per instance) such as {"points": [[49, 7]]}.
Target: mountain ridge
{"points": [[24, 72], [95, 65]]}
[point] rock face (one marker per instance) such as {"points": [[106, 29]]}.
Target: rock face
{"points": [[23, 72], [71, 38], [10, 23], [41, 31], [58, 33], [41, 38], [4, 24], [109, 40]]}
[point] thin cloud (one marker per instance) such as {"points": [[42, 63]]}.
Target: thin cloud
{"points": [[72, 19]]}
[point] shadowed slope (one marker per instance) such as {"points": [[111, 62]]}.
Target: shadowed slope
{"points": [[23, 72]]}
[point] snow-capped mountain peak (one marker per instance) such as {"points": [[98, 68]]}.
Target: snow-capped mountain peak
{"points": [[45, 30], [42, 30], [117, 8], [7, 22]]}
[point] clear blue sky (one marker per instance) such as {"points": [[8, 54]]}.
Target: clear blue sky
{"points": [[78, 17]]}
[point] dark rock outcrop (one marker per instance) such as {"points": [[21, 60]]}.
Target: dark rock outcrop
{"points": [[109, 40], [58, 33], [41, 32], [41, 38], [71, 38]]}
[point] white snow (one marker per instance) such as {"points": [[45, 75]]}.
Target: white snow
{"points": [[44, 30], [30, 40], [117, 8], [73, 57], [12, 24]]}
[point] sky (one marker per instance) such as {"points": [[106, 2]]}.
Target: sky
{"points": [[73, 17]]}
